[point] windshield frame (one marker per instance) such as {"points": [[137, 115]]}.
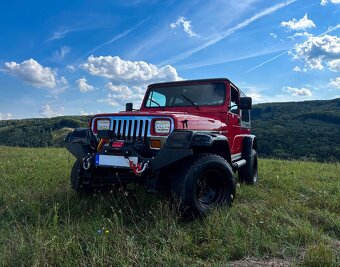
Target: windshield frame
{"points": [[150, 89]]}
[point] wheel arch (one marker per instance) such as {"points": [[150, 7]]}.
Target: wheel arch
{"points": [[211, 143], [249, 142]]}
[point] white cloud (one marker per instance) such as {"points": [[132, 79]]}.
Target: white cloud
{"points": [[325, 2], [335, 83], [186, 24], [127, 78], [121, 94], [296, 91], [318, 50], [61, 53], [70, 68], [297, 69], [274, 35], [47, 111], [334, 65], [118, 89], [33, 73], [300, 34], [5, 116], [83, 85], [59, 34], [129, 72], [298, 25]]}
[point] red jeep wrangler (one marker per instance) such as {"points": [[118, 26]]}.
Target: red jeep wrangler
{"points": [[188, 138]]}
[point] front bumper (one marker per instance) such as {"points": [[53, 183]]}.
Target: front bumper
{"points": [[83, 145]]}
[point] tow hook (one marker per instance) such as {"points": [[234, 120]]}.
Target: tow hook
{"points": [[87, 161], [138, 168]]}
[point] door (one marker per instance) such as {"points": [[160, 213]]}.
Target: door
{"points": [[234, 121]]}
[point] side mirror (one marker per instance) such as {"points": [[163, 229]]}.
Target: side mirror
{"points": [[128, 107], [245, 103]]}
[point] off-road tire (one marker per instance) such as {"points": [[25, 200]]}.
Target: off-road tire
{"points": [[202, 183], [249, 172], [77, 179]]}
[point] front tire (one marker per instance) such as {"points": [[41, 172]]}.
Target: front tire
{"points": [[249, 172], [205, 182], [77, 174]]}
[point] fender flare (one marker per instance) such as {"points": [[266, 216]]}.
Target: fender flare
{"points": [[249, 142], [200, 142]]}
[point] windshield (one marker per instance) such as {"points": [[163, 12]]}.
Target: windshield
{"points": [[210, 94]]}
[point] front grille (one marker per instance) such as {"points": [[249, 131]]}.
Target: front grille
{"points": [[131, 128], [136, 128]]}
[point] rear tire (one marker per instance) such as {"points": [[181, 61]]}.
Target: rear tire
{"points": [[205, 182], [77, 174], [249, 172]]}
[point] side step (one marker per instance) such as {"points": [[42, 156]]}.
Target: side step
{"points": [[239, 163]]}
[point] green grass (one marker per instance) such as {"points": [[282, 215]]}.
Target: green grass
{"points": [[293, 213]]}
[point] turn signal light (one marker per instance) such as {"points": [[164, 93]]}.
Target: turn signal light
{"points": [[155, 143]]}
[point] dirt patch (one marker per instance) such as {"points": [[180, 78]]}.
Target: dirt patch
{"points": [[255, 262]]}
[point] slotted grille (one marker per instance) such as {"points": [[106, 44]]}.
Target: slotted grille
{"points": [[131, 128]]}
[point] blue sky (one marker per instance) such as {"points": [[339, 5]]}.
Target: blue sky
{"points": [[83, 57]]}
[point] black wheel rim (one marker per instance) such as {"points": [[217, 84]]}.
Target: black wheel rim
{"points": [[211, 189]]}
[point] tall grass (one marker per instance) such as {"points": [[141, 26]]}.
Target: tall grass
{"points": [[293, 213]]}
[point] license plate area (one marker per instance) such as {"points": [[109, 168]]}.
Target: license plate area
{"points": [[114, 161]]}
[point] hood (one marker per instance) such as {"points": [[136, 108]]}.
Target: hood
{"points": [[206, 121]]}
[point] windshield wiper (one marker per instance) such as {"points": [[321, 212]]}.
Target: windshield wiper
{"points": [[190, 101], [156, 103]]}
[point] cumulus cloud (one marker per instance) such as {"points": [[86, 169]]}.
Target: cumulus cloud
{"points": [[33, 73], [297, 69], [298, 25], [131, 72], [318, 51], [334, 65], [5, 116], [128, 79], [83, 85], [185, 24], [300, 34], [47, 111], [325, 2], [120, 94], [296, 91], [335, 83]]}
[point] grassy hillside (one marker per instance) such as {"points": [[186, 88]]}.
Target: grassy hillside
{"points": [[309, 129], [39, 132], [292, 130], [292, 216]]}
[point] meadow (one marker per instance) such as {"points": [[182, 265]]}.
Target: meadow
{"points": [[292, 217]]}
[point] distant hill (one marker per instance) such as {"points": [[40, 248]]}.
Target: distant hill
{"points": [[299, 130], [309, 129], [39, 132]]}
